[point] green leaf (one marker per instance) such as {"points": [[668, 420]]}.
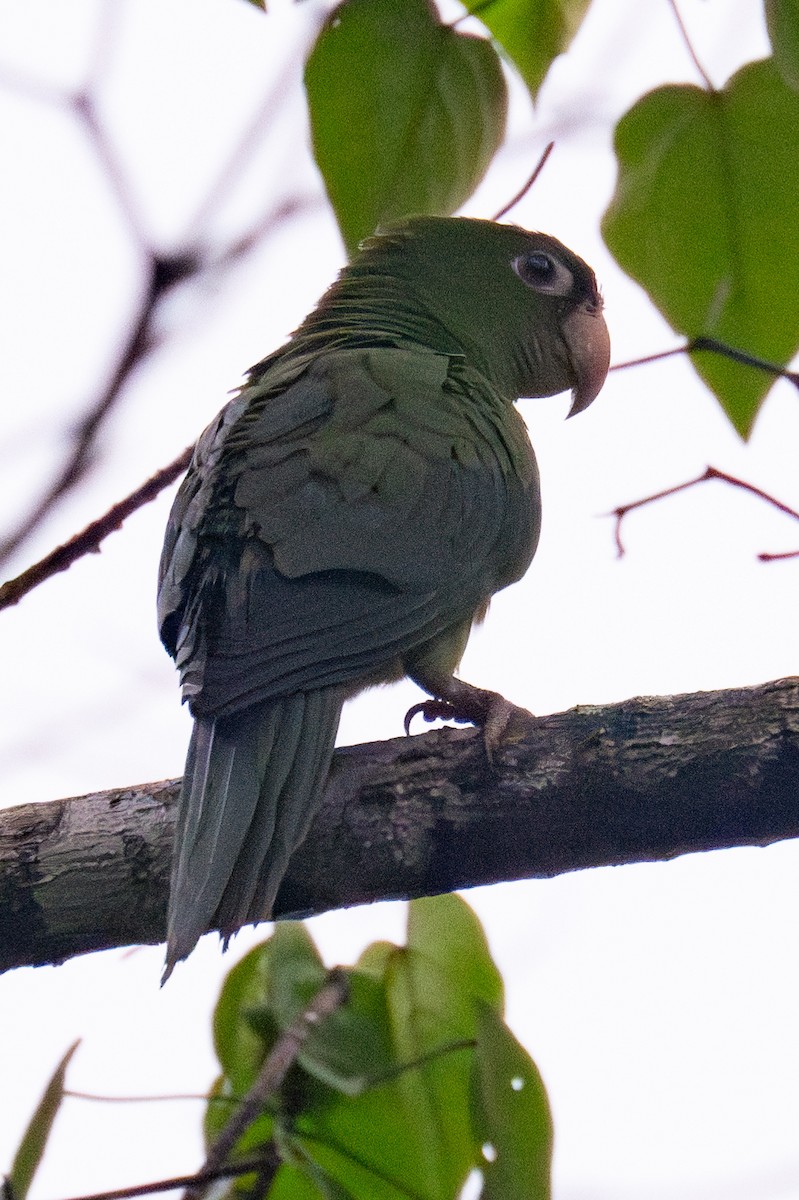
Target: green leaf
{"points": [[531, 32], [378, 1143], [410, 1133], [34, 1141], [351, 1049], [294, 971], [706, 218], [375, 958], [782, 19], [291, 1183], [239, 1048], [429, 1011], [222, 1103], [406, 112], [261, 996], [512, 1122], [447, 930], [381, 1102], [302, 1176]]}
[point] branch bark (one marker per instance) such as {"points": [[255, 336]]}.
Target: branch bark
{"points": [[645, 780]]}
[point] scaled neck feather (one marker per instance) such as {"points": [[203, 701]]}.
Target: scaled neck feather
{"points": [[370, 307]]}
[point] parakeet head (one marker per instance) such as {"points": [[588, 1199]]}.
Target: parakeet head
{"points": [[523, 307]]}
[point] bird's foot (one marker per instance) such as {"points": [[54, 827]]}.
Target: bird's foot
{"points": [[488, 710], [493, 713]]}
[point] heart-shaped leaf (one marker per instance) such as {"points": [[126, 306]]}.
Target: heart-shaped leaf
{"points": [[406, 112], [782, 18], [510, 1113], [706, 218], [531, 32]]}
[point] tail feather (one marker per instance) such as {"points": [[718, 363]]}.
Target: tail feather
{"points": [[307, 776], [277, 806], [252, 787]]}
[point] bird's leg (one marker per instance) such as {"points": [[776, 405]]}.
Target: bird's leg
{"points": [[455, 700], [432, 666]]}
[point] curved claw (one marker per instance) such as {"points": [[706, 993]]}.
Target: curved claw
{"points": [[487, 710], [433, 710]]}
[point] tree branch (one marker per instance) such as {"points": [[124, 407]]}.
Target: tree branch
{"points": [[162, 271], [89, 539], [645, 780]]}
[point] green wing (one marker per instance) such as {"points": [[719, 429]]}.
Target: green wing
{"points": [[339, 513]]}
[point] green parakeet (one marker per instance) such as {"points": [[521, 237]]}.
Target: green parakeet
{"points": [[346, 519]]}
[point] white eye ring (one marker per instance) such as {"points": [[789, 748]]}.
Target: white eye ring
{"points": [[543, 273]]}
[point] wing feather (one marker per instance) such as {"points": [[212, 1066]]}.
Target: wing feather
{"points": [[338, 517]]}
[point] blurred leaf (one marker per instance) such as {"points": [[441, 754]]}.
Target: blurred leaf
{"points": [[294, 974], [34, 1141], [512, 1121], [531, 32], [706, 218], [782, 18], [301, 1176], [375, 1145], [239, 1049], [375, 958], [222, 1101], [406, 113], [416, 1128], [381, 1102], [351, 1048], [446, 929], [291, 1183], [262, 995], [218, 1110], [428, 1011]]}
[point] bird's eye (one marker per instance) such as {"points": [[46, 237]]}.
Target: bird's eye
{"points": [[539, 266], [543, 273]]}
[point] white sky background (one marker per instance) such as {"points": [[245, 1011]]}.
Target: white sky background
{"points": [[660, 1002]]}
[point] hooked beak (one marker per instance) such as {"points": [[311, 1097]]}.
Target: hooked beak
{"points": [[588, 343]]}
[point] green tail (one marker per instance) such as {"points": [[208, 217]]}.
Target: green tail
{"points": [[252, 787]]}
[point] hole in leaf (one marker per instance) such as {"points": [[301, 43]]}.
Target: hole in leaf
{"points": [[489, 1152], [473, 1187], [517, 1083]]}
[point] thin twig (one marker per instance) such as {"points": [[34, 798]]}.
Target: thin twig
{"points": [[689, 46], [105, 34], [164, 271], [281, 1058], [243, 151], [764, 556], [709, 473], [646, 359], [84, 108], [264, 1162], [523, 191], [95, 1098], [83, 105], [713, 346], [75, 465], [88, 541]]}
